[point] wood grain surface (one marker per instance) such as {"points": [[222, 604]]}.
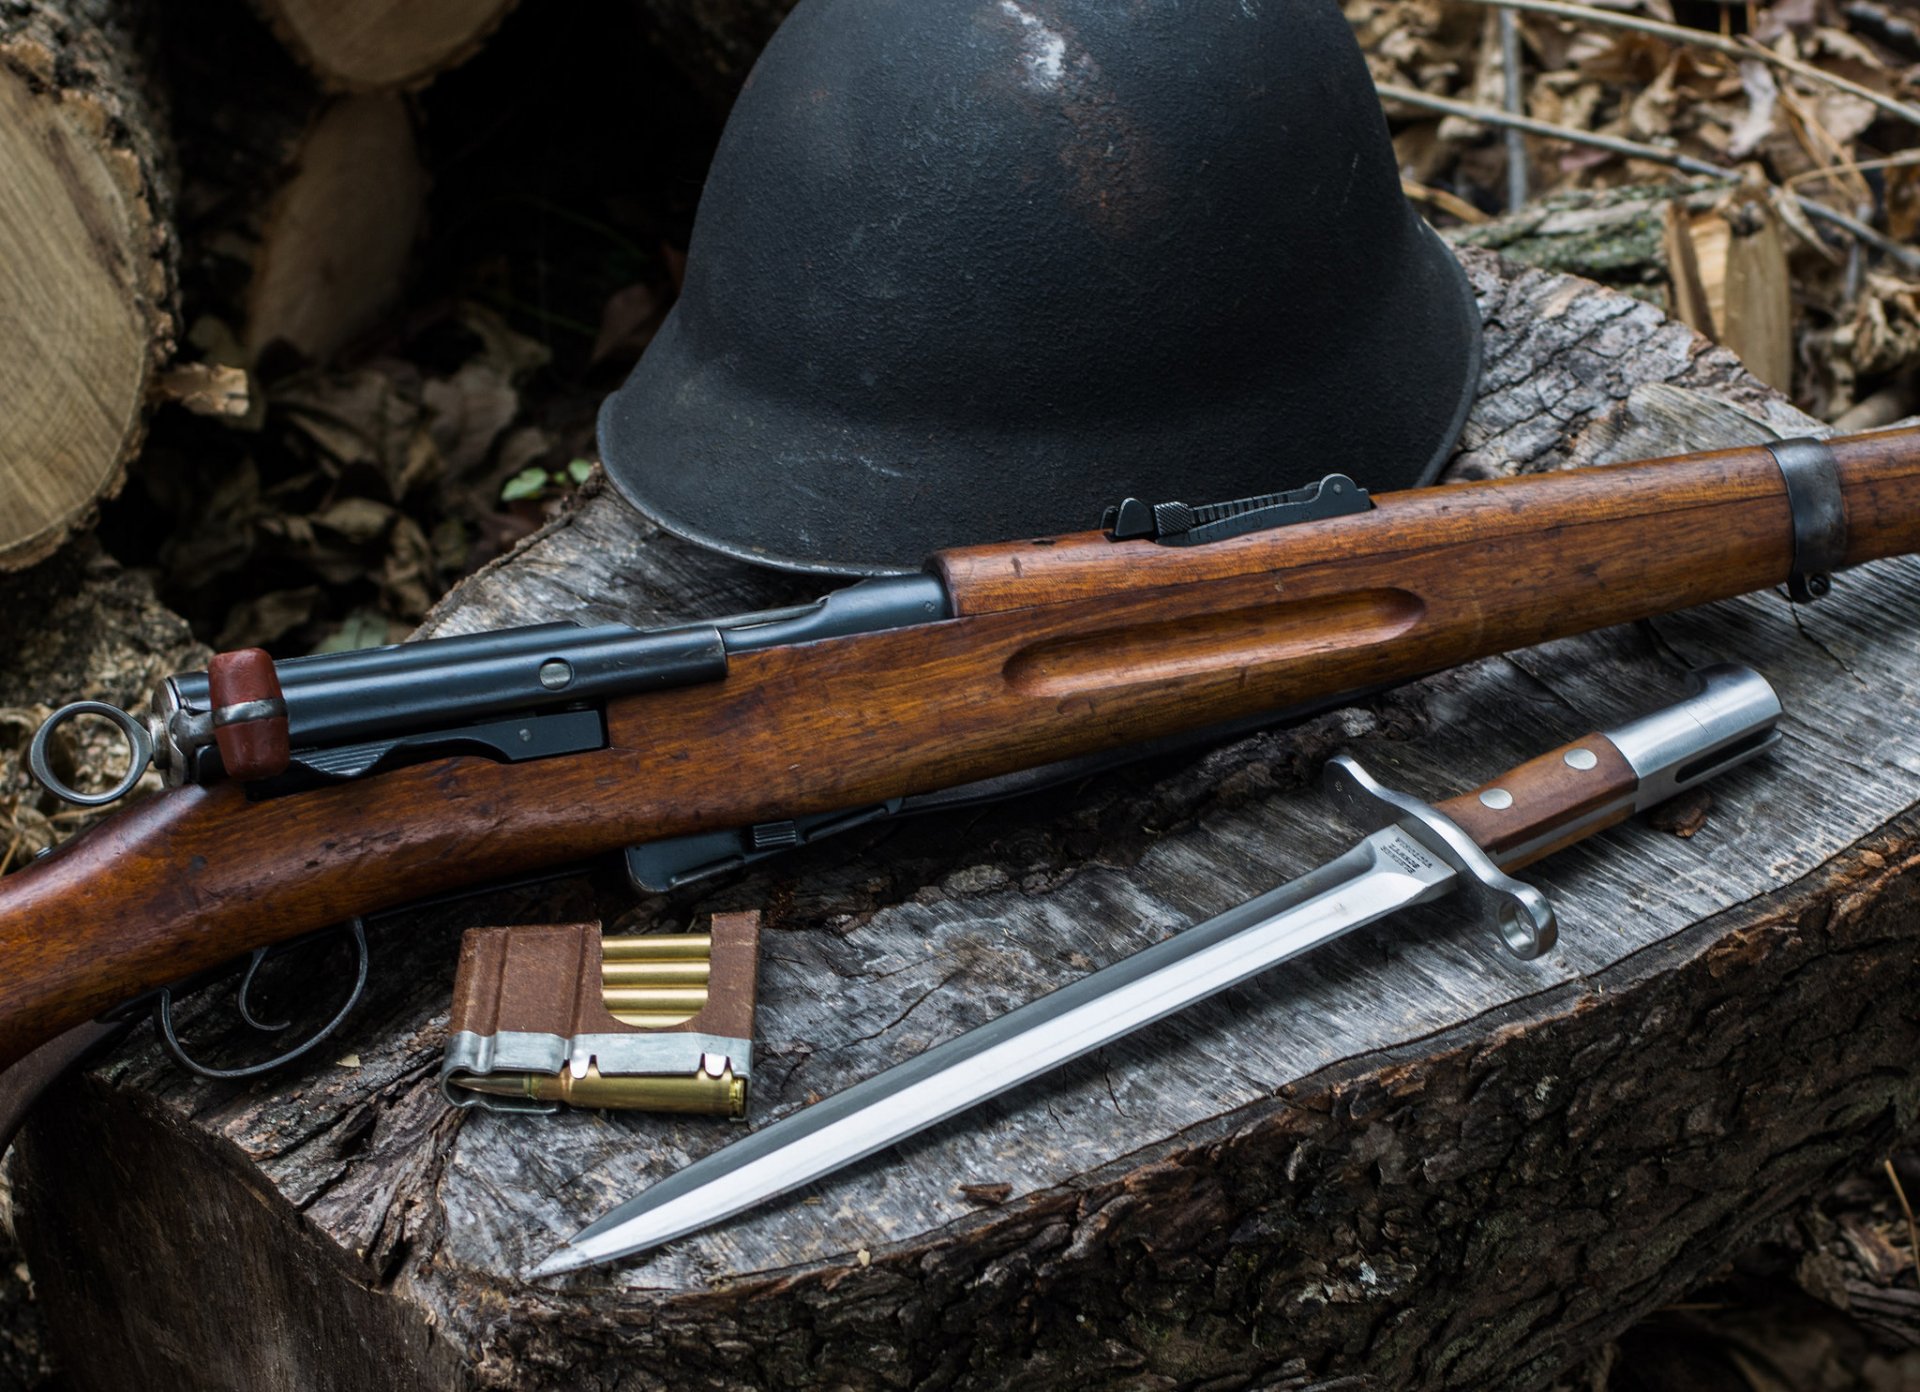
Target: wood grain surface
{"points": [[87, 298], [1549, 802], [380, 45], [1407, 1161]]}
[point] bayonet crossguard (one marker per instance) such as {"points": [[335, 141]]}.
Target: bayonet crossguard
{"points": [[1413, 853]]}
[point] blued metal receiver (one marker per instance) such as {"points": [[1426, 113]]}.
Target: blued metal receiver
{"points": [[517, 694]]}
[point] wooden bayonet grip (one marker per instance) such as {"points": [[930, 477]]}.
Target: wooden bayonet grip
{"points": [[1534, 809]]}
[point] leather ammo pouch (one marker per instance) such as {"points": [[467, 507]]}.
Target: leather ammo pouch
{"points": [[553, 1013]]}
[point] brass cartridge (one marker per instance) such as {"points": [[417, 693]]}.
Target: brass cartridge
{"points": [[654, 999], [701, 1093], [652, 1019], [657, 947], [662, 972]]}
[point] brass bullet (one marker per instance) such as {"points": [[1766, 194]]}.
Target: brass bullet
{"points": [[653, 1019], [655, 973], [656, 947], [655, 998]]}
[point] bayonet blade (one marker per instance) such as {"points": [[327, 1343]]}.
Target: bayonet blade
{"points": [[1387, 871]]}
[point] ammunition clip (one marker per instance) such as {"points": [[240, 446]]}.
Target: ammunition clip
{"points": [[551, 1014]]}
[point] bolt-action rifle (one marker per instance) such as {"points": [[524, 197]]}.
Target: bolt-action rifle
{"points": [[308, 792]]}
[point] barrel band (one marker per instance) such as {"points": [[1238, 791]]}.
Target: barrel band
{"points": [[1819, 515]]}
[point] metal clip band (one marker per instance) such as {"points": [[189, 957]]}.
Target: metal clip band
{"points": [[1819, 515], [545, 1014], [240, 712]]}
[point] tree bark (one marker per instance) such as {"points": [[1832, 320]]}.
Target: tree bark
{"points": [[87, 285], [1408, 1161]]}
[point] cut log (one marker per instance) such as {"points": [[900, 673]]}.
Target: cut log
{"points": [[335, 245], [1408, 1161], [299, 212], [382, 45], [1615, 236], [87, 279], [1729, 278]]}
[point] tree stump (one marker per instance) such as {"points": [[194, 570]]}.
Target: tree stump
{"points": [[1407, 1161], [87, 283]]}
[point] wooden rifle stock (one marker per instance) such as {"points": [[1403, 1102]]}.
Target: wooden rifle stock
{"points": [[1062, 646]]}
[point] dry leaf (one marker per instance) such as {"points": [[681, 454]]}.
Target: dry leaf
{"points": [[1843, 116], [268, 618], [987, 1193], [359, 520], [627, 324], [1878, 1257], [408, 582], [220, 536], [368, 417], [521, 449], [207, 389], [1829, 42], [1756, 123], [34, 831], [514, 355], [468, 411]]}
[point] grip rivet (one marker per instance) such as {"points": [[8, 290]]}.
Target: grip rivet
{"points": [[1582, 759], [1499, 799]]}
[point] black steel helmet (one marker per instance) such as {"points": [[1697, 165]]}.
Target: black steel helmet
{"points": [[972, 270]]}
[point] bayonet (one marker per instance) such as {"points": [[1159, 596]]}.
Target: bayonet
{"points": [[1412, 853]]}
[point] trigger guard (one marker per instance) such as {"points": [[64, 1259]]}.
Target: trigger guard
{"points": [[170, 1040], [240, 996]]}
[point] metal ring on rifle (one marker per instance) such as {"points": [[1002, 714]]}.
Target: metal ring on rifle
{"points": [[1819, 510], [139, 752]]}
